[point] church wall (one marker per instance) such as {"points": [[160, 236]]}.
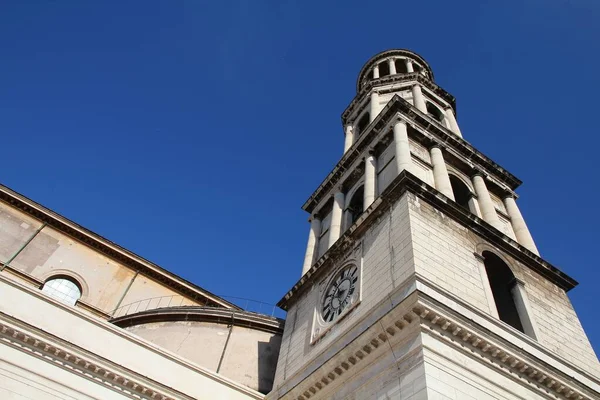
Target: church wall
{"points": [[398, 374], [251, 358], [387, 263], [557, 323], [249, 355], [451, 374], [50, 253], [25, 377], [15, 229], [117, 351], [444, 254]]}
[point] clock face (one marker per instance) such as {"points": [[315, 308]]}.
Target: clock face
{"points": [[338, 295]]}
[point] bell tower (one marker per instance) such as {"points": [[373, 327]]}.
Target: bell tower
{"points": [[421, 279]]}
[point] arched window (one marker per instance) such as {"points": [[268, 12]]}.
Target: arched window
{"points": [[356, 206], [401, 66], [462, 194], [502, 283], [435, 112], [384, 69], [362, 124], [63, 288]]}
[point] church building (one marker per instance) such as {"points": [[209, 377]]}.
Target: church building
{"points": [[421, 280]]}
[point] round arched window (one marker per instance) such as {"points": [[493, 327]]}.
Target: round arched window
{"points": [[63, 289]]}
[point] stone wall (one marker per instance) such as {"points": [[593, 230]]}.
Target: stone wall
{"points": [[248, 355], [387, 263], [444, 254]]}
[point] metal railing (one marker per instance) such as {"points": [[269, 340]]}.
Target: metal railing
{"points": [[154, 303]]}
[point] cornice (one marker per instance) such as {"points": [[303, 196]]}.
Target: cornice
{"points": [[424, 124], [407, 182], [112, 377], [398, 78], [110, 249], [58, 347], [436, 320], [204, 314]]}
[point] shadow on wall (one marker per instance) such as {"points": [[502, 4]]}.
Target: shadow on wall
{"points": [[268, 352]]}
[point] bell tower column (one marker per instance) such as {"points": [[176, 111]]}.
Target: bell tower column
{"points": [[453, 124], [488, 211], [518, 223], [349, 138], [418, 99], [403, 160], [440, 172], [392, 65], [309, 256], [369, 188], [374, 110], [336, 218]]}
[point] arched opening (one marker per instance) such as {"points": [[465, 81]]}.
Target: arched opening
{"points": [[63, 288], [384, 69], [356, 205], [435, 112], [502, 282], [401, 66], [462, 194], [363, 122], [417, 67], [369, 76]]}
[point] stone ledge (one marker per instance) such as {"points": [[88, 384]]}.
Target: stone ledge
{"points": [[407, 182], [435, 319]]}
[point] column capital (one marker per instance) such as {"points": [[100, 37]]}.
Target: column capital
{"points": [[370, 152], [509, 194], [399, 120], [437, 145], [479, 172], [313, 218]]}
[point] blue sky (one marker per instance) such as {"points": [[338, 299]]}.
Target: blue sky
{"points": [[191, 132]]}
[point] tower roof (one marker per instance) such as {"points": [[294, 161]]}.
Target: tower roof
{"points": [[403, 53]]}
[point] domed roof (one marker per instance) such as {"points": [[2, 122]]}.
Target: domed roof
{"points": [[388, 53]]}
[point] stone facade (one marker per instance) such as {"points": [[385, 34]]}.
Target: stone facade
{"points": [[454, 301], [128, 329]]}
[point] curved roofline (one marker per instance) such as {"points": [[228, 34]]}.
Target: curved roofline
{"points": [[387, 53], [216, 315]]}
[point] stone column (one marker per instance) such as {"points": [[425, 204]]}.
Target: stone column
{"points": [[392, 65], [518, 224], [370, 180], [488, 211], [374, 110], [336, 218], [453, 124], [376, 72], [440, 173], [403, 160], [311, 247], [349, 138], [409, 66], [418, 99], [519, 295]]}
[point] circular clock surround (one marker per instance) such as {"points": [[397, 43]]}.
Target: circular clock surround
{"points": [[339, 294]]}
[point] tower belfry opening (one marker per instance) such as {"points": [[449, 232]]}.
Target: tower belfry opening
{"points": [[502, 281], [460, 293]]}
